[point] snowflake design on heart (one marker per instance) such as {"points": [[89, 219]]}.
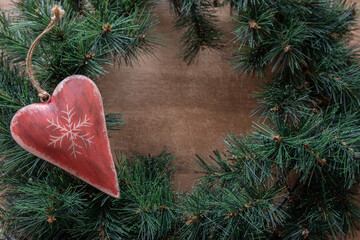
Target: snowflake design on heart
{"points": [[68, 130]]}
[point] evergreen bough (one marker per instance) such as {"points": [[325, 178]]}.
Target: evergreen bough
{"points": [[294, 176]]}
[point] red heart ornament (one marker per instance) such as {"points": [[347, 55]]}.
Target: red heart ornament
{"points": [[70, 132]]}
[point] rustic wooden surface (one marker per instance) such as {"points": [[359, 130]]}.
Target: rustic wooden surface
{"points": [[188, 109]]}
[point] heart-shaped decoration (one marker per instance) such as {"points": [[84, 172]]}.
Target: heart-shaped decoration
{"points": [[70, 132]]}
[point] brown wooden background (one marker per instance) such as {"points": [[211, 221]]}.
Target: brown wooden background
{"points": [[188, 109]]}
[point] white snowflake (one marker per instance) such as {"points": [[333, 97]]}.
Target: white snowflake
{"points": [[70, 131]]}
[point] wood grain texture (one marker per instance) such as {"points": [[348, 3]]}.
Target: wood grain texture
{"points": [[187, 109]]}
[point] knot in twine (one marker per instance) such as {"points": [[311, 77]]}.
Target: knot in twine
{"points": [[58, 14]]}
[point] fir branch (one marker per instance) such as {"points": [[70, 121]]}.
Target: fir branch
{"points": [[66, 50], [114, 121], [198, 18], [145, 209]]}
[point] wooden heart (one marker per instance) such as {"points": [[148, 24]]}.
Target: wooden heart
{"points": [[70, 132]]}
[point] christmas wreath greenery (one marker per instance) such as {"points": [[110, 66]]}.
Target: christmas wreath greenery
{"points": [[295, 176]]}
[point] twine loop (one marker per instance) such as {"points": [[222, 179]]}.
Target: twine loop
{"points": [[44, 96]]}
